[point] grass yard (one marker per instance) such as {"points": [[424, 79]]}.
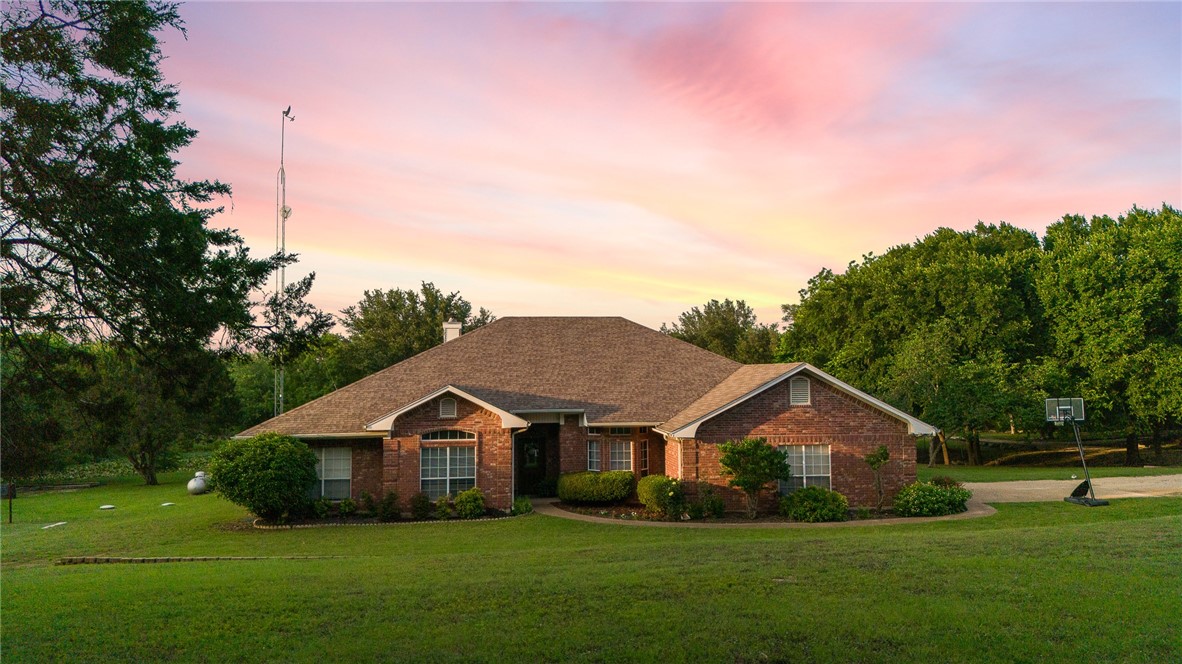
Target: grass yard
{"points": [[1035, 582]]}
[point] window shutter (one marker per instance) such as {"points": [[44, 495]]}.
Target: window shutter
{"points": [[799, 392]]}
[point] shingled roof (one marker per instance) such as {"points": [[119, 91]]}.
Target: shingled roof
{"points": [[614, 370]]}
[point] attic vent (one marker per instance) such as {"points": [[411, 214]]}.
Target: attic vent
{"points": [[799, 391], [447, 407]]}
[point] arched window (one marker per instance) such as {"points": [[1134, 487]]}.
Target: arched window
{"points": [[799, 392], [448, 434], [447, 407]]}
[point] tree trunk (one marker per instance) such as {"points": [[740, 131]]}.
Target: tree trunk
{"points": [[1013, 430], [933, 445], [973, 439], [144, 464], [1132, 451], [752, 505], [944, 448]]}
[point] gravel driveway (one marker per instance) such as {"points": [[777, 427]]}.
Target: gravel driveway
{"points": [[1028, 491]]}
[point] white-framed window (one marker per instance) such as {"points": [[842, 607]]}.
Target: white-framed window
{"points": [[594, 431], [619, 455], [446, 470], [593, 455], [619, 431], [798, 391], [447, 408], [334, 472], [448, 434], [644, 458], [810, 467]]}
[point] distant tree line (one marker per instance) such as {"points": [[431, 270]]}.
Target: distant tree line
{"points": [[972, 330]]}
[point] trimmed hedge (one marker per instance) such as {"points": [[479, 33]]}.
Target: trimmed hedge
{"points": [[815, 504], [926, 499], [660, 494], [612, 486]]}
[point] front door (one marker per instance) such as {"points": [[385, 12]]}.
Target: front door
{"points": [[532, 447]]}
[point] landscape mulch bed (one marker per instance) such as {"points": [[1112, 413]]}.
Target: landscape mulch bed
{"points": [[638, 513]]}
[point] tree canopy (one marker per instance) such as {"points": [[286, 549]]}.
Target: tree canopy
{"points": [[971, 330], [729, 329]]}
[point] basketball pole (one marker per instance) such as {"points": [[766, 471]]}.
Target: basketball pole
{"points": [[1082, 459]]}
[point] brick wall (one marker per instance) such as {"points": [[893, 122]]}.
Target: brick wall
{"points": [[572, 445], [850, 427], [367, 464], [494, 450]]}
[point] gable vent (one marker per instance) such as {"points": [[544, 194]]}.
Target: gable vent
{"points": [[447, 407], [798, 391]]}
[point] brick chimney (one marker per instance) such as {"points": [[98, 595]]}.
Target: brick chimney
{"points": [[451, 330]]}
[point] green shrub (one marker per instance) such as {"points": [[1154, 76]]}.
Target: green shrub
{"points": [[695, 509], [420, 506], [945, 481], [388, 508], [470, 504], [321, 508], [712, 504], [660, 494], [369, 507], [347, 508], [444, 509], [612, 486], [522, 505], [863, 513], [925, 499], [268, 474], [815, 504]]}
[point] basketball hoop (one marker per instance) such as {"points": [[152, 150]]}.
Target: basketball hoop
{"points": [[1071, 410]]}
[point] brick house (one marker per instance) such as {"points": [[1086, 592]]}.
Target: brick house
{"points": [[521, 400]]}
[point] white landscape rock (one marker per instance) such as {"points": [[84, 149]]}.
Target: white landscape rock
{"points": [[53, 525], [167, 504], [106, 507]]}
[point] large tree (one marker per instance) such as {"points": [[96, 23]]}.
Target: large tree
{"points": [[101, 242], [386, 327], [729, 329], [1111, 288], [945, 328]]}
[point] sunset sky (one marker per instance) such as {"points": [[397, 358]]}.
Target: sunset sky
{"points": [[637, 160]]}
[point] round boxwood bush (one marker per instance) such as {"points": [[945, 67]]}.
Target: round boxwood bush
{"points": [[268, 474], [659, 494], [926, 499], [470, 504], [814, 504], [591, 487]]}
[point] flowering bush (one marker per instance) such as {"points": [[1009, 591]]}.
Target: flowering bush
{"points": [[660, 494], [926, 499], [814, 504]]}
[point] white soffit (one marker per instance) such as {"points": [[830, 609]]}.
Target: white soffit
{"points": [[508, 420]]}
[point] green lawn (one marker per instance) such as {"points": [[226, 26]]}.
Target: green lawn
{"points": [[1011, 473], [1035, 582]]}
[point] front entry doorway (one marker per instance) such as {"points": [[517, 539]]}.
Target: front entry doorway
{"points": [[535, 457]]}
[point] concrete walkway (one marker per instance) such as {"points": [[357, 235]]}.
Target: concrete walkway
{"points": [[1030, 491]]}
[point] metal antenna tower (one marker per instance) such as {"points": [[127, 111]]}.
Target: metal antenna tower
{"points": [[282, 212]]}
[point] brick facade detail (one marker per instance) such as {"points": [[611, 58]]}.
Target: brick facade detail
{"points": [[848, 425], [494, 450]]}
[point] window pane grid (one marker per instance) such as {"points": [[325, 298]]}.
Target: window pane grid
{"points": [[810, 467], [446, 470], [593, 455], [334, 471], [620, 455]]}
